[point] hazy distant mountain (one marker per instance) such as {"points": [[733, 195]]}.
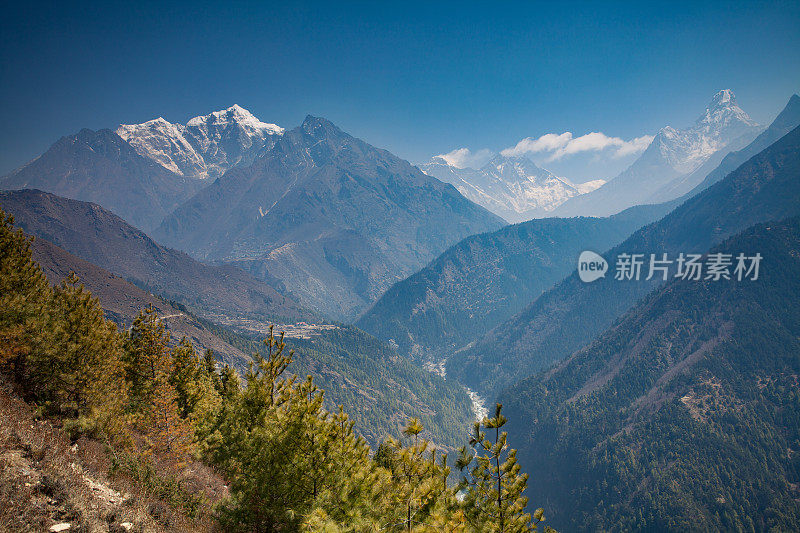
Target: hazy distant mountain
{"points": [[511, 187], [787, 120], [337, 220], [98, 236], [485, 279], [673, 163], [571, 314], [206, 146], [99, 166], [142, 172], [683, 415]]}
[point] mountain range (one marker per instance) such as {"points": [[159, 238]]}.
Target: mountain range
{"points": [[572, 313], [511, 187], [206, 146], [674, 163], [336, 220], [636, 405], [326, 218], [142, 172]]}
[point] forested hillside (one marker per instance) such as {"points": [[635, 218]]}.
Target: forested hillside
{"points": [[485, 279], [378, 387], [684, 415]]}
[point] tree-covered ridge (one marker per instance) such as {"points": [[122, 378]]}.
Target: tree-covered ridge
{"points": [[486, 278], [685, 414], [289, 464]]}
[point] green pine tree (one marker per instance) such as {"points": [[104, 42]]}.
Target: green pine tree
{"points": [[494, 498], [24, 296]]}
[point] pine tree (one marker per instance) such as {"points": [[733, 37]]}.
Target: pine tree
{"points": [[155, 402], [228, 384], [209, 366], [83, 365], [419, 481], [201, 390], [167, 434], [353, 489], [494, 500], [57, 342], [184, 376], [24, 294], [255, 447], [316, 437], [147, 356]]}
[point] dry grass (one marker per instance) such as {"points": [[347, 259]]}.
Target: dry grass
{"points": [[46, 479]]}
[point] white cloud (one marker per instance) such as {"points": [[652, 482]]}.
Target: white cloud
{"points": [[559, 145], [549, 142], [464, 157], [634, 146]]}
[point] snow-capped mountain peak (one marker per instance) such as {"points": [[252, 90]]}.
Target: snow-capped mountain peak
{"points": [[722, 113], [237, 115], [724, 97], [675, 162], [511, 187], [514, 167], [164, 143], [207, 145], [722, 122]]}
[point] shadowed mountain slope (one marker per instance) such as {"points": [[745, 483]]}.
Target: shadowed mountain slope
{"points": [[100, 167], [100, 237], [485, 279], [122, 300]]}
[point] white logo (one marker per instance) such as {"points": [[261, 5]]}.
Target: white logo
{"points": [[591, 266]]}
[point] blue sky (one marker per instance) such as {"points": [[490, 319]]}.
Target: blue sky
{"points": [[417, 79]]}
